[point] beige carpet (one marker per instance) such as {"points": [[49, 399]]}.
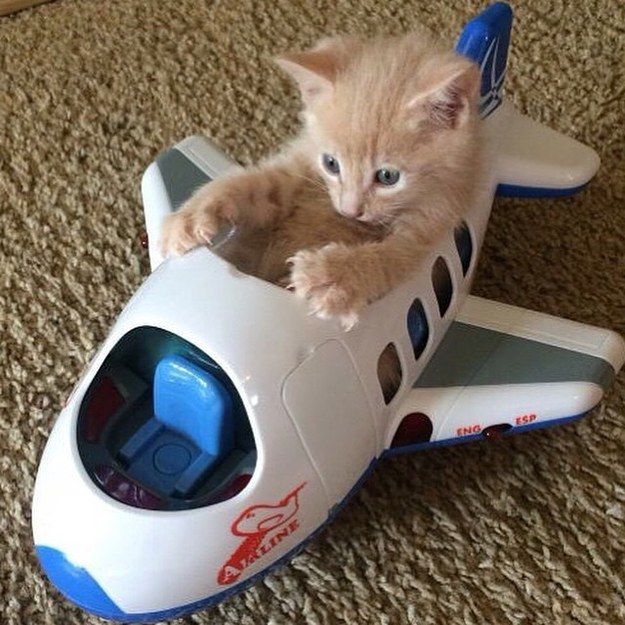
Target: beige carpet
{"points": [[530, 530]]}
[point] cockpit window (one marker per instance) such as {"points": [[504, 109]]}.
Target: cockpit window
{"points": [[163, 427]]}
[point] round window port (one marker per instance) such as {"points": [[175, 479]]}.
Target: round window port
{"points": [[414, 428]]}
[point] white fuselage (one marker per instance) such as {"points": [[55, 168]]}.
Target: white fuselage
{"points": [[312, 396]]}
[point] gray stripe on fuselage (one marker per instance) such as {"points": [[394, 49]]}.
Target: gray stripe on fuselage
{"points": [[180, 176], [472, 356]]}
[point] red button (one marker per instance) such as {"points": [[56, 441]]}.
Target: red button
{"points": [[496, 431], [143, 240], [104, 401]]}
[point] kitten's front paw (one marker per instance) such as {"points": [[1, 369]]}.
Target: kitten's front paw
{"points": [[195, 224], [323, 278]]}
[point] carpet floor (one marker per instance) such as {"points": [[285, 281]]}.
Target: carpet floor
{"points": [[528, 530]]}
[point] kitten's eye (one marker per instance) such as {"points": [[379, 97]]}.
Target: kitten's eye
{"points": [[387, 177], [331, 164]]}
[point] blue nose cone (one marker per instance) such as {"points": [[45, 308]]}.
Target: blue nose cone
{"points": [[76, 584]]}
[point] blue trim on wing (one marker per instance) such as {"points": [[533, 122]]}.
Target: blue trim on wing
{"points": [[513, 190]]}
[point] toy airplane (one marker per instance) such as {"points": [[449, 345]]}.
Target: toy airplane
{"points": [[220, 426]]}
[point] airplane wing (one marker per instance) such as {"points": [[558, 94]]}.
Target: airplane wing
{"points": [[503, 368], [172, 178]]}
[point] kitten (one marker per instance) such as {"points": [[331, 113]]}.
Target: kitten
{"points": [[384, 164]]}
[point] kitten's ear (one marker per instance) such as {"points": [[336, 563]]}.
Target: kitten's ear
{"points": [[448, 92], [315, 70]]}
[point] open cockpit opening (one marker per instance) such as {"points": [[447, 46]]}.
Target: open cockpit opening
{"points": [[162, 426]]}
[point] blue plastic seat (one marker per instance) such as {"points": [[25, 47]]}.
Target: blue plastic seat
{"points": [[192, 429]]}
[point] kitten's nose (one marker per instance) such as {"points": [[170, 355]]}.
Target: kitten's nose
{"points": [[351, 205]]}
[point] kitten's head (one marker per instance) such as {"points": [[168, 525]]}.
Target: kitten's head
{"points": [[390, 121]]}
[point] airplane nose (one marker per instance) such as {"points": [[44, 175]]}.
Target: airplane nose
{"points": [[77, 584]]}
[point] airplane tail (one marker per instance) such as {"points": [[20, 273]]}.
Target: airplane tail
{"points": [[485, 40]]}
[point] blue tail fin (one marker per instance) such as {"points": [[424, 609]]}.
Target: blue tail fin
{"points": [[485, 40]]}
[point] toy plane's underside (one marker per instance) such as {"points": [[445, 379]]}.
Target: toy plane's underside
{"points": [[498, 364]]}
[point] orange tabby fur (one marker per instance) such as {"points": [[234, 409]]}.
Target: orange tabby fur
{"points": [[343, 240]]}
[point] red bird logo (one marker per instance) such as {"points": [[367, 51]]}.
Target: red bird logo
{"points": [[263, 527]]}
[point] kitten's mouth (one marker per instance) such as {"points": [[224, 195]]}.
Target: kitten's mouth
{"points": [[371, 220], [363, 219]]}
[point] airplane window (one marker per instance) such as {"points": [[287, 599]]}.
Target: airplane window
{"points": [[389, 372], [441, 280], [464, 245], [414, 428], [418, 328]]}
